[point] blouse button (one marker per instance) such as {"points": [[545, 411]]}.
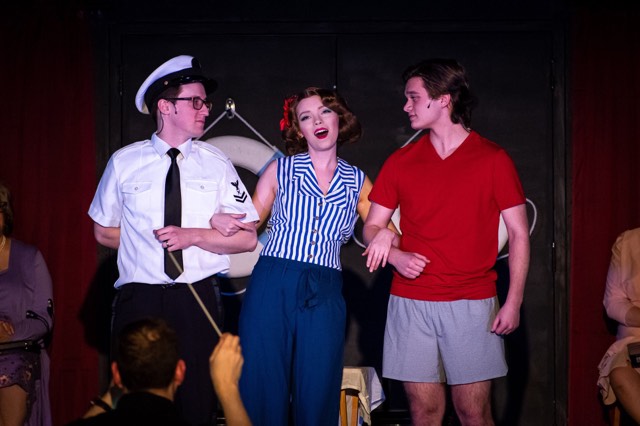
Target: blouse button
{"points": [[309, 256], [201, 186], [316, 218], [136, 188], [313, 243]]}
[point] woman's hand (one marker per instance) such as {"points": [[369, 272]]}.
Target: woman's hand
{"points": [[6, 331], [377, 251], [228, 224]]}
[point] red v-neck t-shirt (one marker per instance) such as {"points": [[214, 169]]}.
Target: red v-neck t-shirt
{"points": [[449, 212]]}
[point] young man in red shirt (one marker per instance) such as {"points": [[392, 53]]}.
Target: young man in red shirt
{"points": [[444, 323]]}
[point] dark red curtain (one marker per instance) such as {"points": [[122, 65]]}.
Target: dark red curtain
{"points": [[605, 92], [48, 161]]}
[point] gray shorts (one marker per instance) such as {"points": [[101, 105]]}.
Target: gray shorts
{"points": [[436, 342]]}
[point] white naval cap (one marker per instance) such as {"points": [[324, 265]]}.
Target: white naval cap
{"points": [[183, 69]]}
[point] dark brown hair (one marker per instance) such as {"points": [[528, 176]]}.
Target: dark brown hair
{"points": [[169, 92], [446, 76], [147, 354]]}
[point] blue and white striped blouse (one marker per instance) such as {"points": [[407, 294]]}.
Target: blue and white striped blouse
{"points": [[306, 225]]}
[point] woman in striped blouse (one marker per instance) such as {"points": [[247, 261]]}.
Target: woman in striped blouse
{"points": [[292, 321]]}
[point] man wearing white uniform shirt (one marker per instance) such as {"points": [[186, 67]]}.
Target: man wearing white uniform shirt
{"points": [[153, 204]]}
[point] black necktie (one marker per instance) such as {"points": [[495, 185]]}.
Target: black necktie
{"points": [[172, 211]]}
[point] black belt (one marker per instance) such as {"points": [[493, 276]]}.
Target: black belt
{"points": [[209, 280], [20, 346]]}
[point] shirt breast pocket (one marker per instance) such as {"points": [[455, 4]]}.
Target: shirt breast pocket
{"points": [[201, 198], [137, 195]]}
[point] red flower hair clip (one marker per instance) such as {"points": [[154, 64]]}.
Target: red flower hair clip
{"points": [[285, 122]]}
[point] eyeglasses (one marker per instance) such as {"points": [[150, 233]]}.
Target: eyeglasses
{"points": [[196, 100]]}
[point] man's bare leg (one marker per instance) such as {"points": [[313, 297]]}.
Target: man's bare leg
{"points": [[472, 402], [426, 402]]}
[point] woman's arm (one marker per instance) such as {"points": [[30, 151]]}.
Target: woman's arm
{"points": [[364, 205], [265, 193]]}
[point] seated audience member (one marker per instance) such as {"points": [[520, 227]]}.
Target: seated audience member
{"points": [[148, 371], [619, 380], [26, 321]]}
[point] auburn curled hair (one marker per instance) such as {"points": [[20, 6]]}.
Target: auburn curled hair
{"points": [[350, 129]]}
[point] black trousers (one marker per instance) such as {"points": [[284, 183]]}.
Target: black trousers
{"points": [[195, 398]]}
